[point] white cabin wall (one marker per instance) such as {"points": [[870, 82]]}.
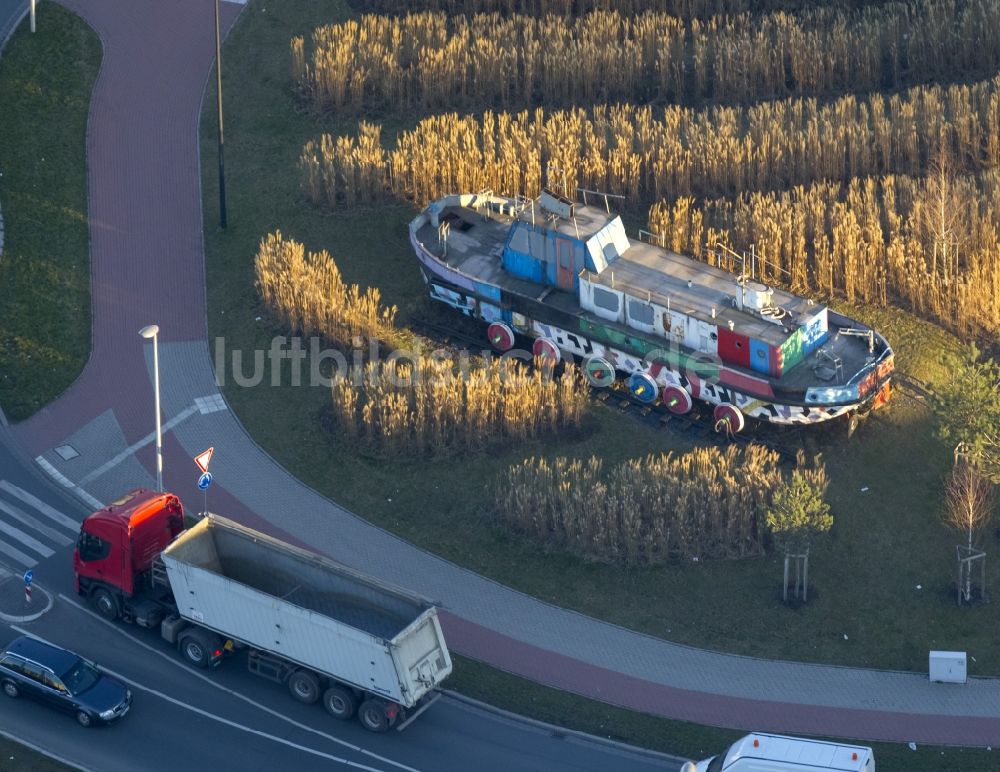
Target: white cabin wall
{"points": [[637, 322]]}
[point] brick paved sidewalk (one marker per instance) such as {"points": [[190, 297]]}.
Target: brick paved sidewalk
{"points": [[147, 263]]}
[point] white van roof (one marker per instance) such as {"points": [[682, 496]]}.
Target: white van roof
{"points": [[766, 752]]}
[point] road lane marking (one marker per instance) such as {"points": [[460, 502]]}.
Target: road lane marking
{"points": [[212, 716], [32, 522], [28, 541], [41, 506], [26, 560], [174, 661]]}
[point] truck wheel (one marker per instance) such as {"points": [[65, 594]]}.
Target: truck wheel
{"points": [[106, 604], [304, 686], [339, 702], [196, 648], [372, 716]]}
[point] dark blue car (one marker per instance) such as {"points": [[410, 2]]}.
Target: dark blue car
{"points": [[64, 680]]}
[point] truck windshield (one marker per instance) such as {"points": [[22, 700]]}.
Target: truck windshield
{"points": [[80, 677]]}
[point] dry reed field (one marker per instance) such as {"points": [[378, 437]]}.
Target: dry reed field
{"points": [[305, 294], [930, 242], [687, 9], [429, 61], [435, 405], [646, 153], [708, 503]]}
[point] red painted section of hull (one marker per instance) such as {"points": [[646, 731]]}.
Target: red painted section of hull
{"points": [[745, 383], [734, 349]]}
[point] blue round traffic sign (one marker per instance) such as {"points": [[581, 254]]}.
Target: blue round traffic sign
{"points": [[204, 481], [28, 576]]}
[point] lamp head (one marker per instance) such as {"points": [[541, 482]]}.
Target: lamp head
{"points": [[149, 331]]}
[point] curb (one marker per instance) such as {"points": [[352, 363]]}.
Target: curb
{"points": [[11, 443], [11, 618], [555, 729], [42, 751]]}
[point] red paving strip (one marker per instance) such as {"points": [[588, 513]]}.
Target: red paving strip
{"points": [[147, 262]]}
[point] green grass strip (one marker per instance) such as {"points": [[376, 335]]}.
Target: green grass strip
{"points": [[45, 85], [519, 695]]}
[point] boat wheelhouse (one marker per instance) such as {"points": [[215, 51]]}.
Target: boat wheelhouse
{"points": [[568, 276]]}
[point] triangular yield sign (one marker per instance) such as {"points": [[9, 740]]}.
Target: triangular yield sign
{"points": [[202, 459]]}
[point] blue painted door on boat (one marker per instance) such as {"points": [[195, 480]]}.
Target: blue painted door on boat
{"points": [[564, 264]]}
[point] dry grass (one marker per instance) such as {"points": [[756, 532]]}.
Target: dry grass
{"points": [[427, 61], [708, 503], [435, 405], [687, 9], [647, 153], [305, 293], [872, 240]]}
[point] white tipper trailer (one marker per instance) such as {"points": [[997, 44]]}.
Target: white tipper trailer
{"points": [[331, 633]]}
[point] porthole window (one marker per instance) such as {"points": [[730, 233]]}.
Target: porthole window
{"points": [[713, 336], [739, 344]]}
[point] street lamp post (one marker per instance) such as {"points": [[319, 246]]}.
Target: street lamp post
{"points": [[148, 332], [218, 91]]}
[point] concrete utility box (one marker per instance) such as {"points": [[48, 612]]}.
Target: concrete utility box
{"points": [[948, 667]]}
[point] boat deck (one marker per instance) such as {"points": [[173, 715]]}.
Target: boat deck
{"points": [[475, 247]]}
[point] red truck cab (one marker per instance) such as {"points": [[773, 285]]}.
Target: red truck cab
{"points": [[119, 544]]}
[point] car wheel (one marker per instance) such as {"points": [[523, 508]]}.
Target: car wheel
{"points": [[372, 716], [11, 690], [304, 686], [106, 604], [83, 718], [339, 702]]}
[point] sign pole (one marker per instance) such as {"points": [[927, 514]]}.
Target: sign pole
{"points": [[32, 16], [28, 577], [202, 460], [203, 482]]}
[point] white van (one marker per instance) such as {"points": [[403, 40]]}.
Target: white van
{"points": [[776, 753]]}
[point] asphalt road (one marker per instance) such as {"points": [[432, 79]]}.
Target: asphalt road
{"points": [[10, 13], [228, 718]]}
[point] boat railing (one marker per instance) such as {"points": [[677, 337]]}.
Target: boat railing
{"points": [[656, 239], [602, 194]]}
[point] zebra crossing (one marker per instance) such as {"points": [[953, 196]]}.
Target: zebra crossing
{"points": [[30, 529]]}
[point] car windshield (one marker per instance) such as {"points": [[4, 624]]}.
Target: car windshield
{"points": [[80, 677]]}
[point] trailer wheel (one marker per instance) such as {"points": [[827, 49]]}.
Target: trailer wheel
{"points": [[106, 604], [196, 647], [339, 702], [372, 716], [304, 686]]}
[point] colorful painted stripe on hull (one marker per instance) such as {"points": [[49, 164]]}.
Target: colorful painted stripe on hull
{"points": [[727, 387]]}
